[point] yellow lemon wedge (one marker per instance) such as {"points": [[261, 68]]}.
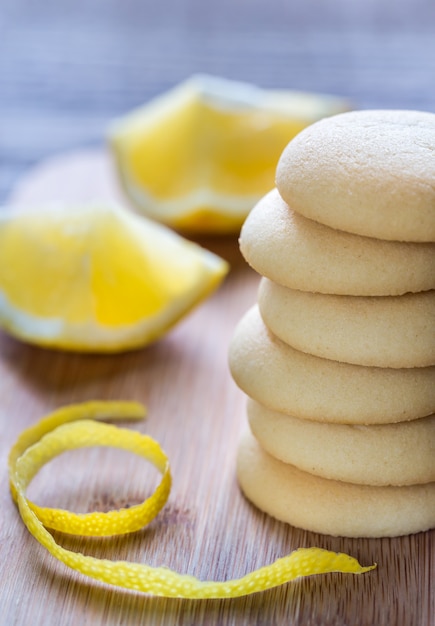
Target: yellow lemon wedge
{"points": [[74, 427], [199, 156], [97, 278]]}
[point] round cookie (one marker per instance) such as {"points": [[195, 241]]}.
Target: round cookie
{"points": [[366, 172], [307, 386], [301, 254], [390, 454], [327, 506], [382, 331]]}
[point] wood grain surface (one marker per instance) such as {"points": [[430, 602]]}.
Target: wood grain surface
{"points": [[66, 69], [197, 414]]}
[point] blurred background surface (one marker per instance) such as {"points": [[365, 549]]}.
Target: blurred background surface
{"points": [[68, 67]]}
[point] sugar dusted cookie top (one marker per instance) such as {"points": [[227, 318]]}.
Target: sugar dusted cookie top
{"points": [[366, 172]]}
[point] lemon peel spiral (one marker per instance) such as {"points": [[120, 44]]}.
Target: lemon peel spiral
{"points": [[74, 427]]}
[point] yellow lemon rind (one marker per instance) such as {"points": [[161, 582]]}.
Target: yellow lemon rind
{"points": [[69, 428]]}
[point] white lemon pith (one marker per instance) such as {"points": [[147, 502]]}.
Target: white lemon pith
{"points": [[97, 278], [201, 155]]}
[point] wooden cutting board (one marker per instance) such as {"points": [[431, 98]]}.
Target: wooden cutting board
{"points": [[207, 529]]}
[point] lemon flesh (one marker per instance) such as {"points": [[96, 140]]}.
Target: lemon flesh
{"points": [[97, 278], [200, 156]]}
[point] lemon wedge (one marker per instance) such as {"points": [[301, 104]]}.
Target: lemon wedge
{"points": [[97, 278], [200, 156], [74, 427]]}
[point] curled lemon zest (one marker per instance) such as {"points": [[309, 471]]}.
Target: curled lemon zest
{"points": [[70, 428]]}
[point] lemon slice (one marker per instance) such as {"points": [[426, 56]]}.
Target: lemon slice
{"points": [[200, 156], [70, 428], [97, 278]]}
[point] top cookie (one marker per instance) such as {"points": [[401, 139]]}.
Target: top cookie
{"points": [[365, 172]]}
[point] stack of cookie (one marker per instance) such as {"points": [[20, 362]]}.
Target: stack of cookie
{"points": [[337, 356]]}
